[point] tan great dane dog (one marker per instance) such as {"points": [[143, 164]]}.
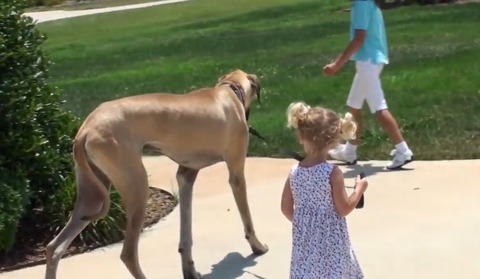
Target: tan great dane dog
{"points": [[195, 130]]}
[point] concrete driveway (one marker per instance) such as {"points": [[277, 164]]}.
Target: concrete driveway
{"points": [[418, 223]]}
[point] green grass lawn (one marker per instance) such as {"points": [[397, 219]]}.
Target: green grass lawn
{"points": [[432, 83]]}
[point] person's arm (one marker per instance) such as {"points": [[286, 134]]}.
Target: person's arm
{"points": [[361, 15], [287, 200], [343, 203], [354, 45]]}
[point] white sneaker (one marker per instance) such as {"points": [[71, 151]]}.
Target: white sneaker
{"points": [[339, 153], [400, 160]]}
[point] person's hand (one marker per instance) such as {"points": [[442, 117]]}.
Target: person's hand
{"points": [[361, 184], [331, 69]]}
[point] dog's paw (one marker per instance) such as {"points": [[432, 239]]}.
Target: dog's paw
{"points": [[260, 250], [191, 274]]}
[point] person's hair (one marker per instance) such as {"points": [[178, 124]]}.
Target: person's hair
{"points": [[323, 127]]}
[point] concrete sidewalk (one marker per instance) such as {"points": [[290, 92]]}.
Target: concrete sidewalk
{"points": [[61, 14], [418, 223]]}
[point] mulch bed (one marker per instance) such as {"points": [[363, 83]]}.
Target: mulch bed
{"points": [[29, 249]]}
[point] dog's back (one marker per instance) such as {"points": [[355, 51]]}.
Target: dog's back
{"points": [[202, 122]]}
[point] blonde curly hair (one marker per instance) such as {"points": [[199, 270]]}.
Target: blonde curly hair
{"points": [[321, 126]]}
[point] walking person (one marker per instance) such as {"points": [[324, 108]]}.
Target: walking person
{"points": [[368, 48], [315, 201]]}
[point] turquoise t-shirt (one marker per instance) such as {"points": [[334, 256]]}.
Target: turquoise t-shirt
{"points": [[367, 16]]}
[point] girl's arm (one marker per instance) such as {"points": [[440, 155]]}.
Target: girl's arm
{"points": [[287, 200], [343, 203]]}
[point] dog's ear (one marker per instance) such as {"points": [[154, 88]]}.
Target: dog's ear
{"points": [[255, 83], [221, 78]]}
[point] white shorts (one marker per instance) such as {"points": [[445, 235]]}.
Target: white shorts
{"points": [[367, 86]]}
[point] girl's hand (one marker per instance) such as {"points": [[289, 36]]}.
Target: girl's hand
{"points": [[361, 184], [331, 69]]}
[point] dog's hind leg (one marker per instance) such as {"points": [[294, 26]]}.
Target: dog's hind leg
{"points": [[130, 179], [87, 203], [121, 162], [235, 161], [186, 178]]}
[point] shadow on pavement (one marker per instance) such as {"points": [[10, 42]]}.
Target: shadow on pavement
{"points": [[370, 170], [231, 267]]}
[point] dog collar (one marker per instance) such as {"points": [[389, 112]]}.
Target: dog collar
{"points": [[240, 93], [238, 90]]}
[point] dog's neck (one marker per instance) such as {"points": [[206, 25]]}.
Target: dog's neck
{"points": [[238, 90]]}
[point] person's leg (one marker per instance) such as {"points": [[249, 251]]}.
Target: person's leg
{"points": [[358, 118], [348, 152], [389, 125], [350, 148], [378, 105]]}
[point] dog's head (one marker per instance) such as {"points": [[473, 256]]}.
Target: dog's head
{"points": [[249, 83]]}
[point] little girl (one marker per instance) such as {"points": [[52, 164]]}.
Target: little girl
{"points": [[315, 200]]}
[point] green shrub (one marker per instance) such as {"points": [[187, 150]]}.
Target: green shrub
{"points": [[37, 182], [12, 200]]}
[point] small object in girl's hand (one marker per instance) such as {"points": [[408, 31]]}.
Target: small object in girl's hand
{"points": [[361, 202]]}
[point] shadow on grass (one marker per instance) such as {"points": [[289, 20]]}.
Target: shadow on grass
{"points": [[238, 41], [272, 13], [243, 34], [232, 266], [318, 10]]}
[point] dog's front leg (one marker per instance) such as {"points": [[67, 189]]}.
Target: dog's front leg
{"points": [[239, 189], [185, 179]]}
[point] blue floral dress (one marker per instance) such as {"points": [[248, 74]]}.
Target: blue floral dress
{"points": [[321, 246]]}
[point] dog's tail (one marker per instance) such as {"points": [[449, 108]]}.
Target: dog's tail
{"points": [[80, 153]]}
